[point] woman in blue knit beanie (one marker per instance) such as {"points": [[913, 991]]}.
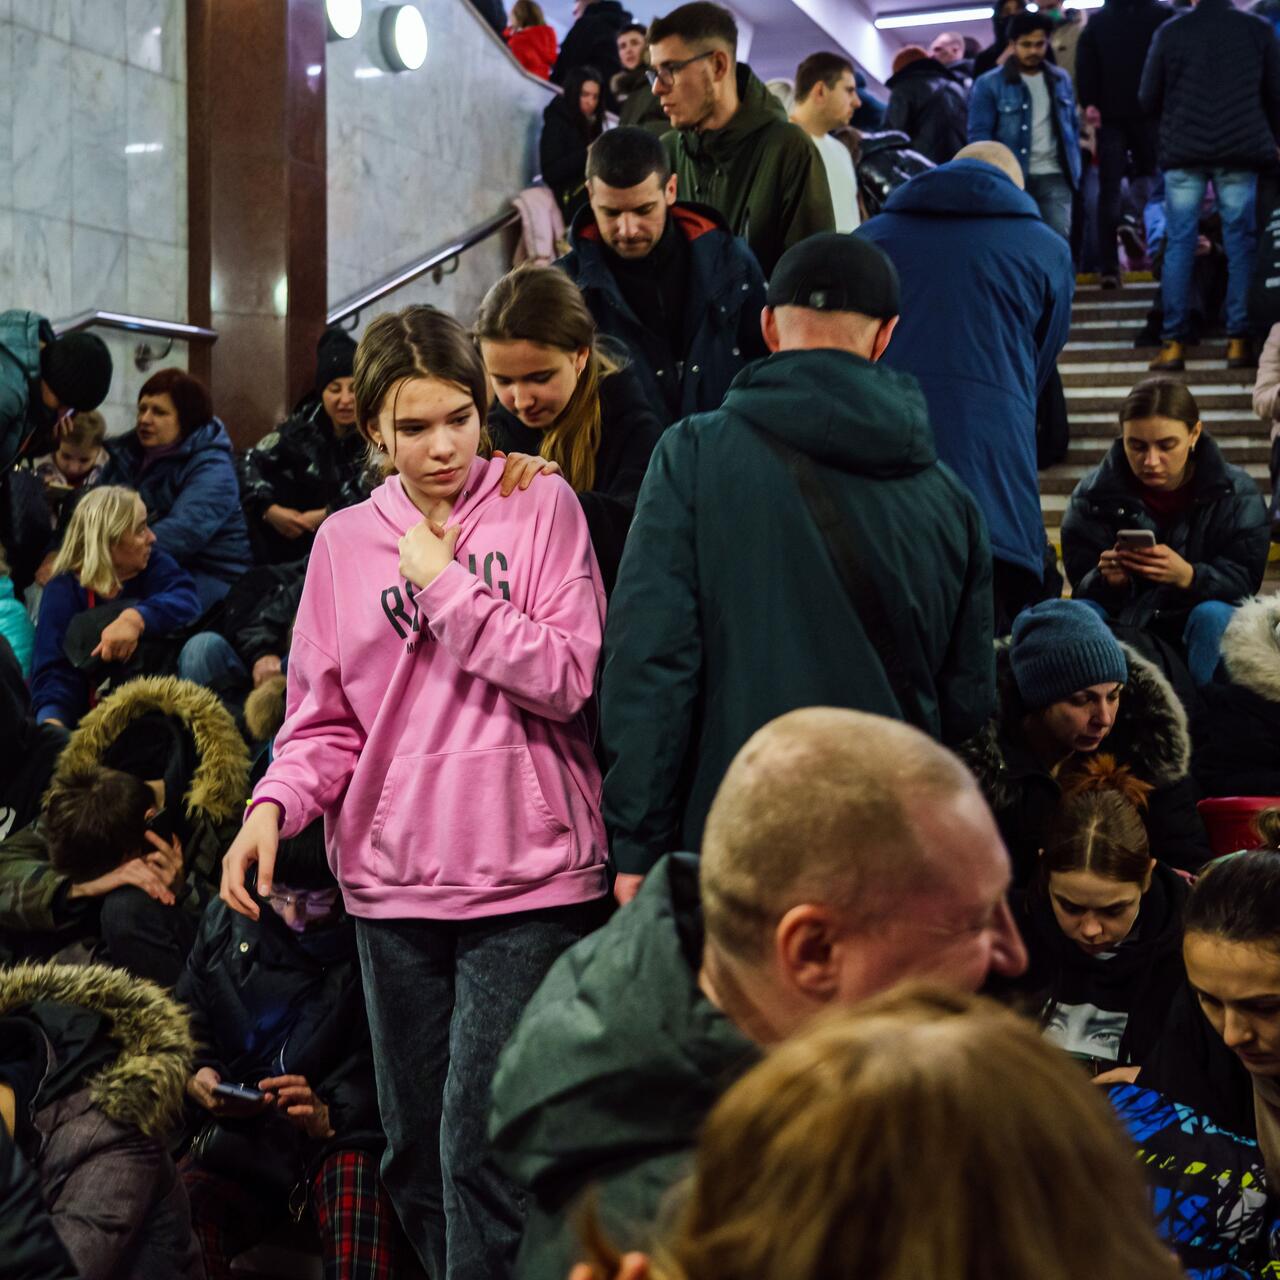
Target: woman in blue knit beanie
{"points": [[1066, 686]]}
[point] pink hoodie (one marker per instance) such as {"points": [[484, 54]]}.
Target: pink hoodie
{"points": [[444, 733]]}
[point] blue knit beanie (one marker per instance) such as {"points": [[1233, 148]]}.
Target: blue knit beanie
{"points": [[1060, 647]]}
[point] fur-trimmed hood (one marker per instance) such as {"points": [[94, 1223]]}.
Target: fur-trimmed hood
{"points": [[1251, 647], [220, 782], [1150, 735], [145, 1083]]}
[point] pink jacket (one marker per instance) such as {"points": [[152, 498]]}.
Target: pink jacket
{"points": [[444, 734]]}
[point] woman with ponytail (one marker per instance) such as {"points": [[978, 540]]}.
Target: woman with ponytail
{"points": [[562, 398], [1102, 922]]}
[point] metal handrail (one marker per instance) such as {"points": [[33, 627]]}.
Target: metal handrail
{"points": [[170, 329], [436, 260]]}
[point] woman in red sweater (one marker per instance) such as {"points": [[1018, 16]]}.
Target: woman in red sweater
{"points": [[531, 40]]}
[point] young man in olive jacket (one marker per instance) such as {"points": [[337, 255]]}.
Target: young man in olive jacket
{"points": [[734, 148], [730, 608]]}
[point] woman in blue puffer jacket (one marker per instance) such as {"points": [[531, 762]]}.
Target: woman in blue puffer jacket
{"points": [[179, 459]]}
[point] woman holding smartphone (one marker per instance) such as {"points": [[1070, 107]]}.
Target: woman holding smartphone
{"points": [[1166, 534]]}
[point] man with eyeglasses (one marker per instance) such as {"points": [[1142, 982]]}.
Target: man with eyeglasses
{"points": [[733, 147]]}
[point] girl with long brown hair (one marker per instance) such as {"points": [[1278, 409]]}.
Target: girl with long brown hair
{"points": [[561, 397], [1166, 534], [924, 1134], [442, 666], [1102, 922]]}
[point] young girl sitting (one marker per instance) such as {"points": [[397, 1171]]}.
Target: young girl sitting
{"points": [[442, 665], [563, 398], [77, 462], [1102, 923]]}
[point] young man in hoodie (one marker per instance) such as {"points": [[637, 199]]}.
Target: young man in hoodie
{"points": [[982, 355], [666, 280], [843, 854], [733, 147], [732, 604], [826, 98]]}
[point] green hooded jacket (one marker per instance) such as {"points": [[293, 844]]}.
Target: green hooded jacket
{"points": [[760, 172], [612, 1071], [20, 336], [729, 612]]}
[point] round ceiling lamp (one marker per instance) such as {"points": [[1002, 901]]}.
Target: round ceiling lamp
{"points": [[404, 37], [344, 18]]}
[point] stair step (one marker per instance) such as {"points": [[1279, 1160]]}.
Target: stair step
{"points": [[1089, 399], [1205, 373], [1089, 450], [1131, 310], [1120, 348]]}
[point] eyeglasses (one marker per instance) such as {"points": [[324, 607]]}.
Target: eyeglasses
{"points": [[665, 75], [311, 903]]}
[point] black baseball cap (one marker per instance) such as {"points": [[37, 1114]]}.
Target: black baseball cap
{"points": [[836, 272]]}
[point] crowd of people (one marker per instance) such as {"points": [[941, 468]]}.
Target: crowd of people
{"points": [[612, 785]]}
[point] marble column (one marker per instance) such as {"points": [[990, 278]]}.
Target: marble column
{"points": [[257, 201]]}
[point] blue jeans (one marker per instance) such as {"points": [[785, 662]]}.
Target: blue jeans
{"points": [[1052, 193], [1183, 199], [1201, 637], [208, 659], [443, 999]]}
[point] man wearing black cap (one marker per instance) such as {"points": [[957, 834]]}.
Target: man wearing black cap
{"points": [[800, 546], [43, 376], [309, 466]]}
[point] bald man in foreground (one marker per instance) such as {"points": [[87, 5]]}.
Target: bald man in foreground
{"points": [[843, 853], [986, 305]]}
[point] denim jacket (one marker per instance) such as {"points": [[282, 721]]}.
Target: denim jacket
{"points": [[1000, 111]]}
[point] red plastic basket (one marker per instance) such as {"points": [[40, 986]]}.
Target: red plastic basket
{"points": [[1230, 821]]}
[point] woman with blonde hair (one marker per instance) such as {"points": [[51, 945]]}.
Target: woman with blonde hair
{"points": [[562, 398], [926, 1133], [110, 568]]}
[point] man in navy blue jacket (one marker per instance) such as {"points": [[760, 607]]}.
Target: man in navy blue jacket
{"points": [[668, 281], [986, 305]]}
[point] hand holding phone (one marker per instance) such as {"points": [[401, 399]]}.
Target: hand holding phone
{"points": [[1135, 540], [237, 1092]]}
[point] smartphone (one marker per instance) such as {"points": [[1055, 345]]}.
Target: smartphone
{"points": [[161, 822], [1135, 540], [238, 1092]]}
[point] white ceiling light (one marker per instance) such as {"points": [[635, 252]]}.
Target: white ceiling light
{"points": [[404, 37], [937, 18], [344, 18]]}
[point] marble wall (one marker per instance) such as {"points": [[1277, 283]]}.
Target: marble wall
{"points": [[93, 174], [417, 157]]}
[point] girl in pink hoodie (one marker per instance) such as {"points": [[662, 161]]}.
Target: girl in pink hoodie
{"points": [[440, 684]]}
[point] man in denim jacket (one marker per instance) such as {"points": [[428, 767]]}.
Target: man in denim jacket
{"points": [[1029, 105]]}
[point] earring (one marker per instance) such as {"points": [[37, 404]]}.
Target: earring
{"points": [[382, 448]]}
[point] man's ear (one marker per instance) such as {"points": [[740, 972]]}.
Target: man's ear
{"points": [[769, 328], [883, 334], [721, 65], [669, 192], [806, 951]]}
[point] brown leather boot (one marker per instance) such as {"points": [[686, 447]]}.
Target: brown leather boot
{"points": [[1240, 354], [1172, 358]]}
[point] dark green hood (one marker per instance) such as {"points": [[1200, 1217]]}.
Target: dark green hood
{"points": [[619, 1056], [757, 109], [839, 409]]}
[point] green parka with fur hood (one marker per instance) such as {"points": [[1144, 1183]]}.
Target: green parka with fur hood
{"points": [[98, 1063], [157, 726]]}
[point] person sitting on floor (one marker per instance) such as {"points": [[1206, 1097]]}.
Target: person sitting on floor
{"points": [[1165, 534], [1066, 685], [313, 464], [1102, 923], [92, 1068], [144, 800], [112, 586]]}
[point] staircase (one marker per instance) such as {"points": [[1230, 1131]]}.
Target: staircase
{"points": [[1100, 366]]}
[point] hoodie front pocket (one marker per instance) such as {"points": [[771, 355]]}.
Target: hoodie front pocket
{"points": [[467, 818]]}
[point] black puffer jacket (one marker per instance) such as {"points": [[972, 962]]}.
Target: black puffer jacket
{"points": [[263, 1004], [562, 151], [929, 104], [1213, 79], [1150, 735], [592, 41], [1141, 979], [1111, 53], [1224, 536], [888, 161], [1237, 734], [258, 616]]}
